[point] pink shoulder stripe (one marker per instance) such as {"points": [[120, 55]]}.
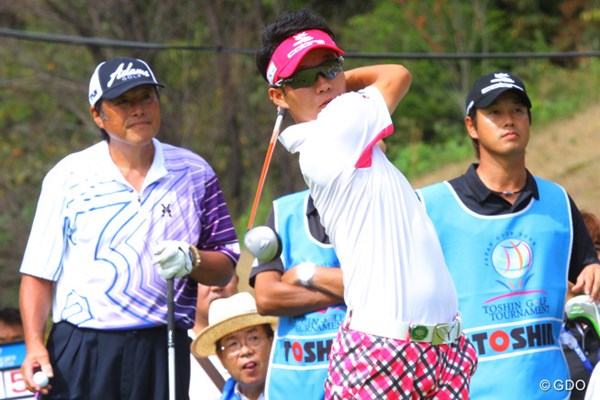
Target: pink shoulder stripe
{"points": [[364, 161]]}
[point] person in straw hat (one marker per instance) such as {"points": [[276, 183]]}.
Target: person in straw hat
{"points": [[242, 339]]}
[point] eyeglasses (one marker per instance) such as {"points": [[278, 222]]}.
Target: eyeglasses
{"points": [[307, 77], [233, 347]]}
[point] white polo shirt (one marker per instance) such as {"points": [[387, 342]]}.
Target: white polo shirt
{"points": [[391, 258], [95, 236]]}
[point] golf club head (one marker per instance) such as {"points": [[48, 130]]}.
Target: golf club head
{"points": [[263, 243], [580, 308]]}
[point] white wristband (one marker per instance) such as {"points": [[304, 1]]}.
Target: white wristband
{"points": [[306, 273]]}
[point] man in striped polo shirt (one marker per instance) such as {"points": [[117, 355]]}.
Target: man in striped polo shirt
{"points": [[113, 222]]}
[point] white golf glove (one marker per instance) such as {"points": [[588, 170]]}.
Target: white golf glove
{"points": [[174, 259]]}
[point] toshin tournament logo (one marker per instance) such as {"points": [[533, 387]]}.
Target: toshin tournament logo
{"points": [[512, 259], [518, 318]]}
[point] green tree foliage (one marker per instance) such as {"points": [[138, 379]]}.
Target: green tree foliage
{"points": [[215, 102], [430, 118]]}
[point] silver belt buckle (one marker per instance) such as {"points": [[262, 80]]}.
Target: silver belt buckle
{"points": [[446, 333]]}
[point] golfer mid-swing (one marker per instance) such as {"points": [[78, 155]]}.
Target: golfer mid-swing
{"points": [[402, 336]]}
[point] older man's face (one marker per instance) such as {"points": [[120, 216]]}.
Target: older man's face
{"points": [[245, 354]]}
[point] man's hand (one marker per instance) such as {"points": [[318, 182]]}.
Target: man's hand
{"points": [[588, 282], [37, 359], [173, 258]]}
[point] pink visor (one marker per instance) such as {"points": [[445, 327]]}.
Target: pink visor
{"points": [[290, 52]]}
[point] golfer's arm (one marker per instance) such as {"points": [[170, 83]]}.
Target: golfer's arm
{"points": [[392, 80], [274, 297]]}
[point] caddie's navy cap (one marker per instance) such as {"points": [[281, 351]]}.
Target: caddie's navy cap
{"points": [[488, 87], [114, 77]]}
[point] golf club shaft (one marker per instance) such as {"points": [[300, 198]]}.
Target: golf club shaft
{"points": [[263, 174], [170, 336]]}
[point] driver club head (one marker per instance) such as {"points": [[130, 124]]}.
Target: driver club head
{"points": [[581, 308], [263, 243]]}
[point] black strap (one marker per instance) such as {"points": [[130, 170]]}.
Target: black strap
{"points": [[212, 372]]}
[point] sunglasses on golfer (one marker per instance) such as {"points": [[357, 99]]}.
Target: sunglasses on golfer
{"points": [[307, 77]]}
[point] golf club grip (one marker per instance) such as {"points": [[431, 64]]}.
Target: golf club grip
{"points": [[265, 168], [170, 311], [170, 336]]}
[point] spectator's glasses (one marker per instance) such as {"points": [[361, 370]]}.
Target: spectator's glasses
{"points": [[233, 346], [307, 77]]}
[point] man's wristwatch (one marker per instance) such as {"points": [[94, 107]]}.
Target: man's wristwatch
{"points": [[306, 273], [195, 256]]}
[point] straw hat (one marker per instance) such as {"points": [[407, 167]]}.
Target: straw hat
{"points": [[226, 316]]}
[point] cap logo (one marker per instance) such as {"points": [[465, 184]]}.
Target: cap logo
{"points": [[502, 77], [271, 71], [125, 74], [501, 80], [303, 40]]}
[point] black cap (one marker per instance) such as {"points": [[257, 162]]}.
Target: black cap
{"points": [[487, 88], [114, 77]]}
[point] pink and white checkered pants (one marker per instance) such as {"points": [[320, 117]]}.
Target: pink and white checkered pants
{"points": [[364, 366]]}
